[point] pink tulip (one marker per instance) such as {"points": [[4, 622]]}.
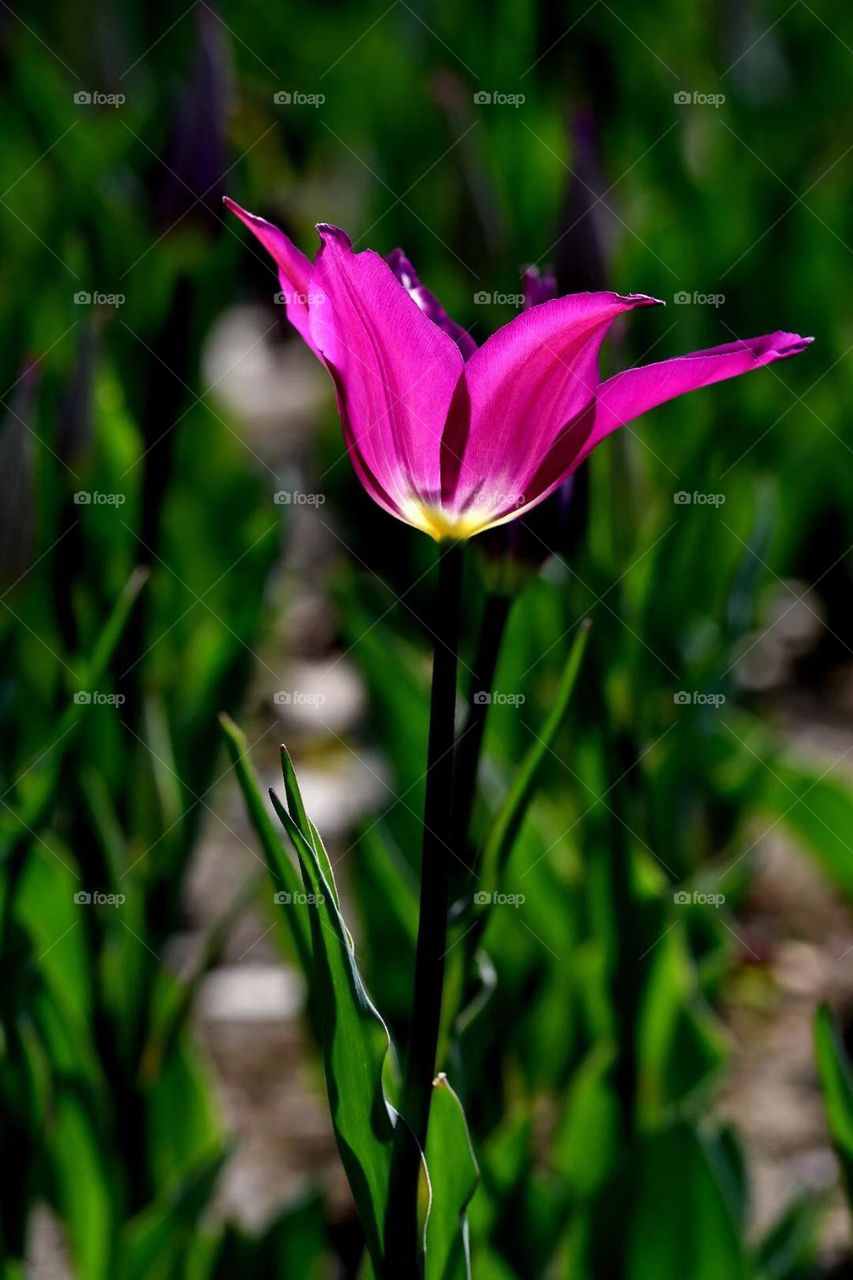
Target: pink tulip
{"points": [[454, 438]]}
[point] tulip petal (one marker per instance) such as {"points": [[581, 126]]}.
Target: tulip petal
{"points": [[631, 393], [429, 303], [522, 411], [294, 269], [395, 371]]}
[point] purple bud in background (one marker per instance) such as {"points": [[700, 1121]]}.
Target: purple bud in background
{"points": [[588, 226], [516, 552], [76, 406], [429, 303], [191, 185], [17, 514], [538, 286]]}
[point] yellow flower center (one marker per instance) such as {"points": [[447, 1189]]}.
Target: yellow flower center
{"points": [[445, 525]]}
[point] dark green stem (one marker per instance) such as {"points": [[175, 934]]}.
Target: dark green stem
{"points": [[469, 749], [403, 1249]]}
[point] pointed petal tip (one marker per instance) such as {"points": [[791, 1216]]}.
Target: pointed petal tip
{"points": [[777, 345], [252, 220], [237, 208], [644, 300], [331, 235], [797, 344]]}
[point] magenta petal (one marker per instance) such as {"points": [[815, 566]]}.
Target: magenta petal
{"points": [[428, 303], [627, 395], [294, 269], [523, 410], [395, 372]]}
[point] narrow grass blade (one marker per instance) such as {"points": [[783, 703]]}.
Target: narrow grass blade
{"points": [[508, 822]]}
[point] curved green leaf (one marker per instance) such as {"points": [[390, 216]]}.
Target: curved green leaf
{"points": [[836, 1082], [454, 1176], [355, 1040], [281, 868]]}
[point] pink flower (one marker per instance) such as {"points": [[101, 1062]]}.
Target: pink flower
{"points": [[454, 438]]}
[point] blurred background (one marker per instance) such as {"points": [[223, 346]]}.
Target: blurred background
{"points": [[181, 534]]}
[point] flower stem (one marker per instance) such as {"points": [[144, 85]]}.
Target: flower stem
{"points": [[495, 618], [403, 1250]]}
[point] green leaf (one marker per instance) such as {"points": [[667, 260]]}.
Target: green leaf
{"points": [[836, 1082], [37, 798], [294, 1244], [156, 1241], [787, 1251], [354, 1038], [281, 868], [586, 1141], [453, 1176], [173, 1015], [681, 1224], [85, 1188], [817, 807], [509, 820]]}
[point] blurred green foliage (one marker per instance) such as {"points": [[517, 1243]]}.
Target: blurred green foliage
{"points": [[582, 1038]]}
